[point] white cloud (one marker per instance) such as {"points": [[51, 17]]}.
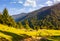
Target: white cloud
{"points": [[56, 1], [13, 11], [30, 3], [20, 2], [31, 9], [49, 3], [41, 5]]}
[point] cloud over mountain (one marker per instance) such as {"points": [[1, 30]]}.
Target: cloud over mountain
{"points": [[30, 3]]}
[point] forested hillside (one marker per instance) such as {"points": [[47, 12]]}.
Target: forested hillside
{"points": [[39, 25], [44, 18]]}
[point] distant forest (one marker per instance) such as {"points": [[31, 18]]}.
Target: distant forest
{"points": [[49, 22]]}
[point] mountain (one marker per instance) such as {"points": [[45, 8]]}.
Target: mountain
{"points": [[47, 17], [19, 17], [43, 12]]}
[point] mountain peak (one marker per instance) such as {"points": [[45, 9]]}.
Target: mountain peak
{"points": [[40, 13]]}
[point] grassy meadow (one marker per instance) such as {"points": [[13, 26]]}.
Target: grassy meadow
{"points": [[13, 34]]}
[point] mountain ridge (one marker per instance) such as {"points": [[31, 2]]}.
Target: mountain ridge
{"points": [[48, 17], [39, 10]]}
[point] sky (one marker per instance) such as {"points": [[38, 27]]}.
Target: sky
{"points": [[24, 6]]}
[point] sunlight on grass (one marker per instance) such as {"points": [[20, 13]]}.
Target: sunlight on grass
{"points": [[33, 33], [5, 36]]}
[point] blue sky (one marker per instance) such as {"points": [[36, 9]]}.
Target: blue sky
{"points": [[24, 6]]}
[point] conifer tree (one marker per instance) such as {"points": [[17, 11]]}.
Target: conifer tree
{"points": [[20, 25], [8, 20], [27, 24], [5, 13]]}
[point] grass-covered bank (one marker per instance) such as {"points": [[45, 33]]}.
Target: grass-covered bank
{"points": [[13, 34]]}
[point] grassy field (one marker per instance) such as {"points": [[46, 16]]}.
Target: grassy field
{"points": [[13, 34]]}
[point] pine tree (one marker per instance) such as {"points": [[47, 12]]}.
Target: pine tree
{"points": [[8, 20], [1, 19], [5, 13], [27, 24], [20, 25]]}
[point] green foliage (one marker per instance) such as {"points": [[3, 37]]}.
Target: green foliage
{"points": [[20, 25], [49, 19], [27, 24], [5, 13], [6, 19]]}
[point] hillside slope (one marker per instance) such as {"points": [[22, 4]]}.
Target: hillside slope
{"points": [[13, 34], [46, 16], [19, 17]]}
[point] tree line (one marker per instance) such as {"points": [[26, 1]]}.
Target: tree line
{"points": [[49, 22]]}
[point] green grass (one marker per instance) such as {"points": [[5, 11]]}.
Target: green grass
{"points": [[13, 34]]}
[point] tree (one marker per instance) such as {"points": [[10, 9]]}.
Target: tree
{"points": [[1, 18], [8, 20], [20, 25], [5, 13], [27, 24]]}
